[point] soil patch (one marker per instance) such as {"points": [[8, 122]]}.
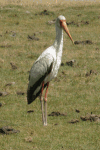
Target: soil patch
{"points": [[33, 37], [9, 84], [74, 121], [70, 63], [0, 104], [91, 72], [30, 111], [13, 66], [91, 117], [77, 110], [3, 93], [5, 46], [57, 114], [45, 12], [20, 93], [83, 42], [8, 130], [78, 23]]}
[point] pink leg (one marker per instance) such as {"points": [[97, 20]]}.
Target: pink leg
{"points": [[45, 104], [41, 99]]}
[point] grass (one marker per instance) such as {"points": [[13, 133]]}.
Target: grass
{"points": [[72, 89]]}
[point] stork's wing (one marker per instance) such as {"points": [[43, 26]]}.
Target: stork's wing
{"points": [[39, 71]]}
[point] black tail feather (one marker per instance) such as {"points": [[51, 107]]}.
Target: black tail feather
{"points": [[31, 97]]}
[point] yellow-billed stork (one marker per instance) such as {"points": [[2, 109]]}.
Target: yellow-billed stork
{"points": [[45, 68]]}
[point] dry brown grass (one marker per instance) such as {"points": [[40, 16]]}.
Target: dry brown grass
{"points": [[51, 2]]}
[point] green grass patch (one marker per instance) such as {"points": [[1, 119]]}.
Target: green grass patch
{"points": [[70, 91]]}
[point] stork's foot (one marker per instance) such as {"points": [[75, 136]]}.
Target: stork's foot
{"points": [[45, 124]]}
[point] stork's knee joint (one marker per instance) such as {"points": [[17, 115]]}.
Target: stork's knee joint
{"points": [[45, 99]]}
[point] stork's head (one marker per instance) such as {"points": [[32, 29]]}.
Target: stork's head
{"points": [[61, 23]]}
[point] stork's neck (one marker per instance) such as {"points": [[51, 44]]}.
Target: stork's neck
{"points": [[58, 43]]}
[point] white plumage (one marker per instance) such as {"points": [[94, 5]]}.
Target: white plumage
{"points": [[46, 67]]}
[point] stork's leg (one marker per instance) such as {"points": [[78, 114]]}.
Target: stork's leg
{"points": [[45, 105], [41, 99]]}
